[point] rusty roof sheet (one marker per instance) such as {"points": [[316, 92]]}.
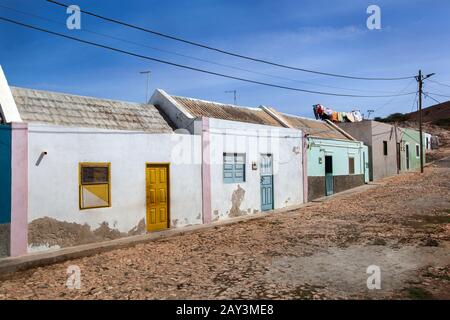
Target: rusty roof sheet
{"points": [[202, 108], [78, 111], [315, 128]]}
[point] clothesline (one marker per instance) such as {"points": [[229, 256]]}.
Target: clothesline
{"points": [[321, 112]]}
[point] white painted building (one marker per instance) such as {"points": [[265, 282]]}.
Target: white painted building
{"points": [[251, 162], [78, 169]]}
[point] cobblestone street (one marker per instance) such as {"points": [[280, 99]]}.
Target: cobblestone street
{"points": [[317, 252]]}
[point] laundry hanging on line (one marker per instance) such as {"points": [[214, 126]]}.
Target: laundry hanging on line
{"points": [[323, 113]]}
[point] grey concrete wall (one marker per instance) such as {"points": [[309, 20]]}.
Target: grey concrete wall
{"points": [[316, 187], [383, 166], [4, 239], [361, 131], [342, 183], [373, 133]]}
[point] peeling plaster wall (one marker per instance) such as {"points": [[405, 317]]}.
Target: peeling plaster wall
{"points": [[54, 181], [236, 199]]}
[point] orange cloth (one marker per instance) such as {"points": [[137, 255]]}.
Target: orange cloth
{"points": [[334, 116]]}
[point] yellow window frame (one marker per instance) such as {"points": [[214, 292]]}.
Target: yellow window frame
{"points": [[81, 184]]}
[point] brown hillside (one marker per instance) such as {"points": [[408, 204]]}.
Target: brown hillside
{"points": [[433, 114]]}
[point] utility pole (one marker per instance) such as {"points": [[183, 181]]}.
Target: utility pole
{"points": [[369, 112], [234, 93], [148, 79], [420, 79], [397, 148]]}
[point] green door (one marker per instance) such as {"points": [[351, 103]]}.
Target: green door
{"points": [[328, 175], [266, 182]]}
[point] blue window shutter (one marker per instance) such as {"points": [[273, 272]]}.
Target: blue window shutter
{"points": [[233, 167]]}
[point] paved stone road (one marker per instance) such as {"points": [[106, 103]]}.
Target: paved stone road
{"points": [[320, 251]]}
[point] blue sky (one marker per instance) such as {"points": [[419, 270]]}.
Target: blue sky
{"points": [[329, 36]]}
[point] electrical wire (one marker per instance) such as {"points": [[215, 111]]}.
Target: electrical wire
{"points": [[414, 102], [440, 83], [188, 56], [429, 96], [439, 95], [193, 68], [228, 52], [393, 98]]}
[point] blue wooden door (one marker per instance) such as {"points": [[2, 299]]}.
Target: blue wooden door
{"points": [[328, 175], [266, 182]]}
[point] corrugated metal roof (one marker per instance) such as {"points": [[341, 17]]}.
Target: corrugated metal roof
{"points": [[202, 108], [71, 110], [315, 128]]}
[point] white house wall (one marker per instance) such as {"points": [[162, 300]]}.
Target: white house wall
{"points": [[54, 181], [235, 199]]}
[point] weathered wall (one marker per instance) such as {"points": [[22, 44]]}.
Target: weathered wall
{"points": [[5, 236], [316, 187], [53, 182], [235, 199], [342, 183]]}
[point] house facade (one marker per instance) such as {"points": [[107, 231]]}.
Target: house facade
{"points": [[251, 163], [410, 145]]}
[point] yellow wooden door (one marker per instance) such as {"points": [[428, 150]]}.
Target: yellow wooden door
{"points": [[157, 197]]}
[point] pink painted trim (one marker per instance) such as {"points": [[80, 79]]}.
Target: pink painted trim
{"points": [[206, 171], [19, 189], [305, 168]]}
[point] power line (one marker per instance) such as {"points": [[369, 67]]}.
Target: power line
{"points": [[393, 98], [188, 56], [439, 95], [193, 68], [414, 103], [427, 94], [440, 83], [227, 52]]}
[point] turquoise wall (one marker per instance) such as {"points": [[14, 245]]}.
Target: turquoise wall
{"points": [[5, 174], [340, 150], [412, 138]]}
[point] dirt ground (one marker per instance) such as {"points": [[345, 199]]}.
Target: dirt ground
{"points": [[321, 251]]}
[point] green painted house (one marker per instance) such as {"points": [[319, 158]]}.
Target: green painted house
{"points": [[410, 149]]}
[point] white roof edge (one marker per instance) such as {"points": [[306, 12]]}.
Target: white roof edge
{"points": [[8, 107], [174, 102], [276, 115], [219, 103]]}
